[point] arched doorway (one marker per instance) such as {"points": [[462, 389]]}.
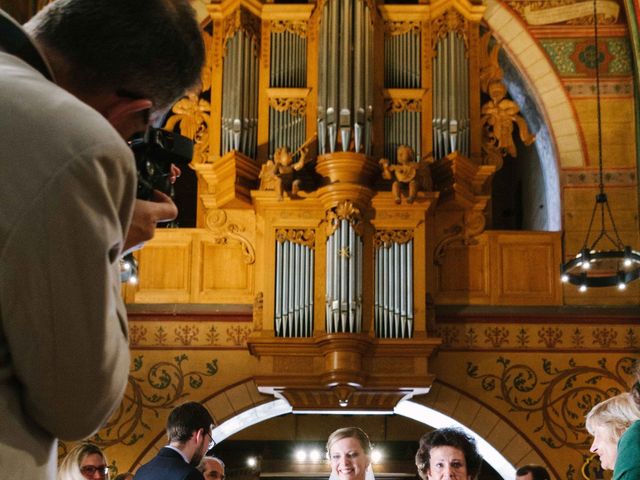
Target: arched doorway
{"points": [[289, 445]]}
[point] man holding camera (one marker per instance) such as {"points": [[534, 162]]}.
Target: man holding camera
{"points": [[81, 78]]}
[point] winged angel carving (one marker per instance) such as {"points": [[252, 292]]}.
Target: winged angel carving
{"points": [[499, 114]]}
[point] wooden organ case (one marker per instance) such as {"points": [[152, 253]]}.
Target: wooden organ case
{"points": [[345, 151]]}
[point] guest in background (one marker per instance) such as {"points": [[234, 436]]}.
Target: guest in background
{"points": [[607, 421], [212, 468], [349, 451], [85, 461], [532, 472], [627, 466], [189, 429], [448, 453]]}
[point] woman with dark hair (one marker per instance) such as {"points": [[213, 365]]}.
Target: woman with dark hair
{"points": [[627, 465], [448, 453]]}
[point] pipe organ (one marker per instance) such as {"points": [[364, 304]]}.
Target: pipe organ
{"points": [[304, 80], [351, 133]]}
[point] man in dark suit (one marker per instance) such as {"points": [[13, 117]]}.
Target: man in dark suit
{"points": [[189, 428]]}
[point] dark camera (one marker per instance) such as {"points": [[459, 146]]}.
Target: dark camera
{"points": [[155, 152]]}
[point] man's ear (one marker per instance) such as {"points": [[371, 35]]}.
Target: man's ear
{"points": [[125, 114], [199, 434]]}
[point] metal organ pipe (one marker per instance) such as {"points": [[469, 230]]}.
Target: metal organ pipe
{"points": [[288, 70], [328, 285], [450, 96], [240, 95], [344, 280], [393, 312], [294, 289], [345, 80]]}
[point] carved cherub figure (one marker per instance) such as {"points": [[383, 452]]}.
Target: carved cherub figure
{"points": [[407, 173], [279, 174], [498, 116]]}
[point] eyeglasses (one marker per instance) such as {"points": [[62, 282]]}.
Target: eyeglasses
{"points": [[212, 443], [89, 471]]}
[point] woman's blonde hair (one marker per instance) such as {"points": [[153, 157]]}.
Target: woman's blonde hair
{"points": [[350, 432], [615, 413], [69, 468]]}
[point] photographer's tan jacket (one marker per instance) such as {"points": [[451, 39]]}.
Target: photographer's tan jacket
{"points": [[68, 188]]}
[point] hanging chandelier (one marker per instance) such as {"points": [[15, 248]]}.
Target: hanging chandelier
{"points": [[593, 266]]}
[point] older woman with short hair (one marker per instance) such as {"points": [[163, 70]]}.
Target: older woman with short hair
{"points": [[85, 461], [448, 453], [349, 451], [607, 421], [628, 460]]}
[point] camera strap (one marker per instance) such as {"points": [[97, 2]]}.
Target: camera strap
{"points": [[16, 42]]}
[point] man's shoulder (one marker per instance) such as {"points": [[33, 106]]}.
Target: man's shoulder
{"points": [[38, 106], [167, 465]]}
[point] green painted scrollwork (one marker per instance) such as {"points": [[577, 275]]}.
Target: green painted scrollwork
{"points": [[558, 398], [162, 387]]}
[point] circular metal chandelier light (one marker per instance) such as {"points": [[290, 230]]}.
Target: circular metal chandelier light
{"points": [[592, 266]]}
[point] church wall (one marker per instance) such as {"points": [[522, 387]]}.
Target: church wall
{"points": [[528, 378]]}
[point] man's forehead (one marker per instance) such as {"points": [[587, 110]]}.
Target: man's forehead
{"points": [[212, 463], [526, 476]]}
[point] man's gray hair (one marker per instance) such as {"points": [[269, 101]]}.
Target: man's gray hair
{"points": [[209, 457]]}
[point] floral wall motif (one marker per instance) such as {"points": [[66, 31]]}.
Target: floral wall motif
{"points": [[553, 397], [189, 334], [577, 337], [155, 387], [538, 373], [556, 397]]}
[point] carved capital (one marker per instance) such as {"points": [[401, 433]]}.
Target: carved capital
{"points": [[306, 237], [242, 19], [297, 27], [345, 210], [296, 107], [449, 21], [395, 28], [397, 105], [386, 238]]}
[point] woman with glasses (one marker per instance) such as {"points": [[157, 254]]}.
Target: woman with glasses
{"points": [[85, 461]]}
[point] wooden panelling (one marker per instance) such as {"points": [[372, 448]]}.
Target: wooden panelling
{"points": [[194, 266], [463, 273], [526, 268], [165, 264], [502, 268]]}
